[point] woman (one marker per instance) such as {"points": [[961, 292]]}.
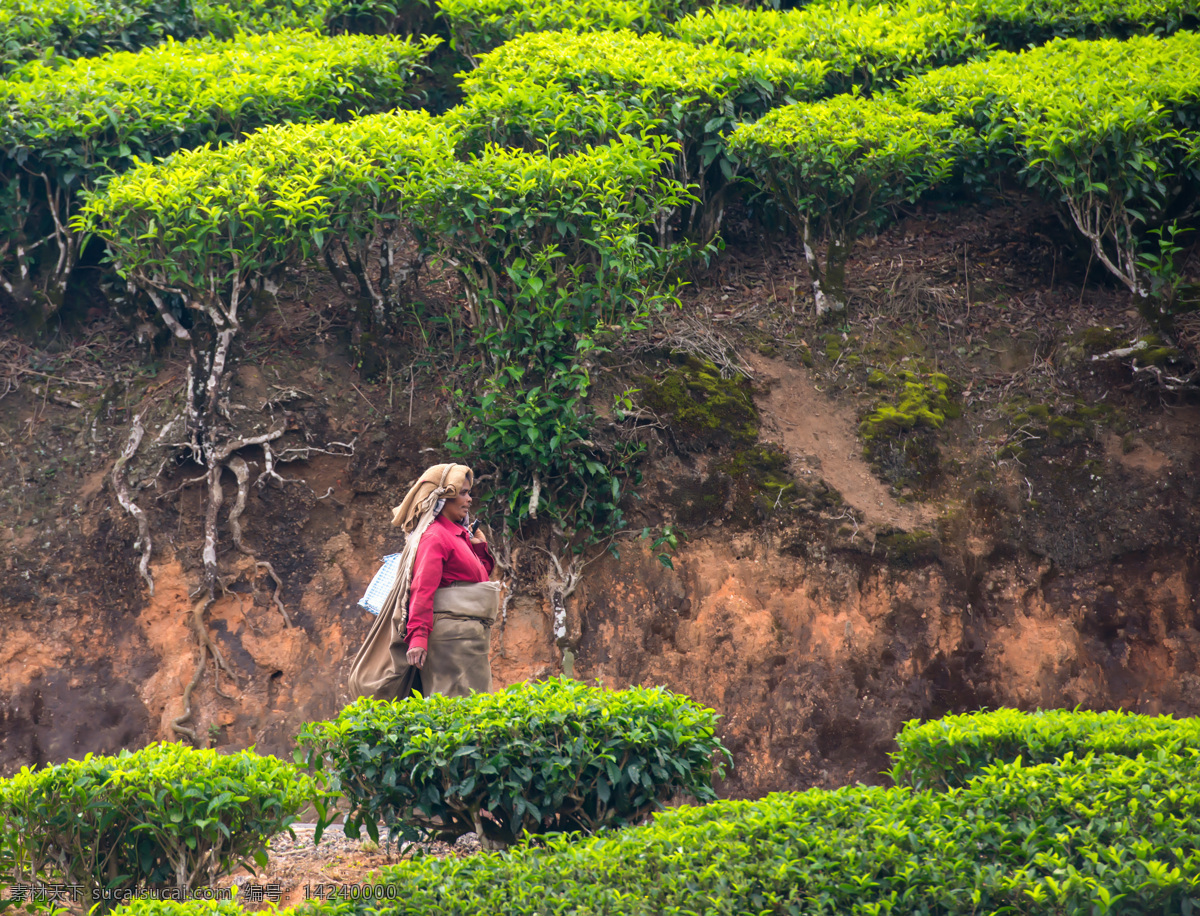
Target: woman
{"points": [[448, 605]]}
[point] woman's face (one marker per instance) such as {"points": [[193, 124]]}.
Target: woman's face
{"points": [[456, 507]]}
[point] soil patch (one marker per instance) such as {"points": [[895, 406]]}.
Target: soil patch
{"points": [[818, 434]]}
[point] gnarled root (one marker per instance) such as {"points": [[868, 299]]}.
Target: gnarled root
{"points": [[242, 472], [125, 498], [206, 646]]}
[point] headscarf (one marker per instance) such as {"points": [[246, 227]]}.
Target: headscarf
{"points": [[447, 480], [414, 515]]}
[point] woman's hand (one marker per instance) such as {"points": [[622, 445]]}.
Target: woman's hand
{"points": [[416, 656], [479, 537]]}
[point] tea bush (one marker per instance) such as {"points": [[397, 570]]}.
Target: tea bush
{"points": [[1097, 835], [31, 29], [863, 46], [69, 127], [954, 749], [1017, 24], [213, 223], [167, 815], [1103, 127], [226, 18], [691, 95], [479, 25], [545, 757], [836, 167], [549, 250], [149, 906]]}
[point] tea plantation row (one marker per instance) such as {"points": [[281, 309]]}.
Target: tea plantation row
{"points": [[1054, 812], [536, 758], [71, 126], [1117, 157], [32, 29], [68, 128], [80, 28]]}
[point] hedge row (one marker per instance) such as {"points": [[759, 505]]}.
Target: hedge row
{"points": [[205, 215], [1098, 835], [547, 88], [81, 28], [31, 29], [164, 816], [862, 46], [106, 112], [1104, 127], [1017, 24], [1003, 96], [837, 167], [954, 749], [892, 37], [201, 217], [478, 25], [1107, 129], [69, 127], [550, 757]]}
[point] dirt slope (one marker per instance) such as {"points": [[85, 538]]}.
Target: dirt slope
{"points": [[1036, 549]]}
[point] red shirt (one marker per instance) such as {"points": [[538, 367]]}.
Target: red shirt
{"points": [[444, 555]]}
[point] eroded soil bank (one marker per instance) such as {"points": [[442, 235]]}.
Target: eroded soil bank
{"points": [[1035, 549]]}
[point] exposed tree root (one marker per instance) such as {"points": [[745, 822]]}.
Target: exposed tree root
{"points": [[206, 432], [561, 583], [125, 498], [242, 472], [198, 674]]}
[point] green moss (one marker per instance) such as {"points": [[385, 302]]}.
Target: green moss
{"points": [[1099, 340], [833, 346], [1065, 427], [924, 401], [1058, 424], [763, 486], [907, 547], [1088, 342], [839, 346], [1159, 356], [899, 432], [703, 408], [765, 465]]}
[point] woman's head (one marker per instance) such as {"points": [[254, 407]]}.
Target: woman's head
{"points": [[451, 479]]}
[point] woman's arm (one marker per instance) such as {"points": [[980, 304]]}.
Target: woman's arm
{"points": [[479, 547], [427, 576]]}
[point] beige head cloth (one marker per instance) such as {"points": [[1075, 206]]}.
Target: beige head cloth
{"points": [[442, 481]]}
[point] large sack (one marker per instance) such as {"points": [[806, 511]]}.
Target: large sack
{"points": [[458, 661]]}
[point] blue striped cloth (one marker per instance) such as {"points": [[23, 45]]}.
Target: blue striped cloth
{"points": [[381, 585]]}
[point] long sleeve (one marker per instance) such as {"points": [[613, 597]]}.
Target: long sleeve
{"points": [[427, 576]]}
